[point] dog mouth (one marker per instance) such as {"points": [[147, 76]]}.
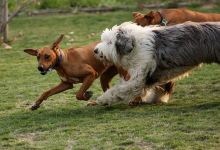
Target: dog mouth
{"points": [[100, 56], [44, 71]]}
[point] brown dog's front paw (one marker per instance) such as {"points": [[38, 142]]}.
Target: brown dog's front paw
{"points": [[92, 103], [34, 107], [88, 95]]}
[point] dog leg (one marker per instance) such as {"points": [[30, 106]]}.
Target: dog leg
{"points": [[107, 76], [126, 90], [91, 75], [82, 94], [136, 101], [159, 94], [57, 89], [168, 90]]}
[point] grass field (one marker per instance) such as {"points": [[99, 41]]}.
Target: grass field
{"points": [[190, 121]]}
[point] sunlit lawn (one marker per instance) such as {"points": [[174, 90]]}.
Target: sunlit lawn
{"points": [[190, 121]]}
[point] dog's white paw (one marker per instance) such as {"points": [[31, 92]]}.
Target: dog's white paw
{"points": [[103, 101], [92, 103]]}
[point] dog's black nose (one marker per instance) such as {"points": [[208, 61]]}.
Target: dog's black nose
{"points": [[40, 68], [96, 51]]}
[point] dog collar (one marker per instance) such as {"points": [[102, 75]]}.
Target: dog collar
{"points": [[163, 21]]}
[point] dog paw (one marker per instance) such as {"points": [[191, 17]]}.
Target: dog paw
{"points": [[133, 103], [137, 101], [35, 107], [103, 102], [92, 103], [88, 95]]}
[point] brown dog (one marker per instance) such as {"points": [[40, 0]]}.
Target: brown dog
{"points": [[173, 16], [170, 17], [74, 65]]}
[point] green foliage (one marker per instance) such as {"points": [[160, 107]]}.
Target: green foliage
{"points": [[45, 4], [190, 121], [53, 3], [83, 3], [12, 4]]}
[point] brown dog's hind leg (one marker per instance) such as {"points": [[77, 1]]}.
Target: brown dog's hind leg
{"points": [[109, 73], [107, 76], [57, 89]]}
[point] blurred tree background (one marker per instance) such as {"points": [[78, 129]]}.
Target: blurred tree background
{"points": [[45, 4], [41, 7]]}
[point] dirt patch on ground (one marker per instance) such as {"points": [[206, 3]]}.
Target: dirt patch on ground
{"points": [[70, 144], [27, 138]]}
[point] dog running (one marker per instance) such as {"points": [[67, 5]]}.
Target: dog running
{"points": [[74, 65], [173, 16], [155, 55], [167, 17]]}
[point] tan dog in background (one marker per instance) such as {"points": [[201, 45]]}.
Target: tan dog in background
{"points": [[74, 65], [173, 16]]}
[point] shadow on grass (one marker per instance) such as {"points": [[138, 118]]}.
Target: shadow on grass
{"points": [[193, 107], [44, 119]]}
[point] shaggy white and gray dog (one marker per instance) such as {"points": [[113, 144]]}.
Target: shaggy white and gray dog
{"points": [[155, 55]]}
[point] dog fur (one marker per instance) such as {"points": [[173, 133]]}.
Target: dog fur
{"points": [[173, 16], [74, 65], [156, 55], [166, 17]]}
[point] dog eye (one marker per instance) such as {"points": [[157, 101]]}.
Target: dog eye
{"points": [[110, 42], [47, 56]]}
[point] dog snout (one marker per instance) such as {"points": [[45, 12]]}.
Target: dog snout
{"points": [[40, 68], [96, 51]]}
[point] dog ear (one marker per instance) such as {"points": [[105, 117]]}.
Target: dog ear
{"points": [[135, 14], [31, 51], [124, 43], [55, 45], [149, 16]]}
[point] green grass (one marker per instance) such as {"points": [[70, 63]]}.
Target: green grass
{"points": [[62, 4], [190, 121], [45, 4]]}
